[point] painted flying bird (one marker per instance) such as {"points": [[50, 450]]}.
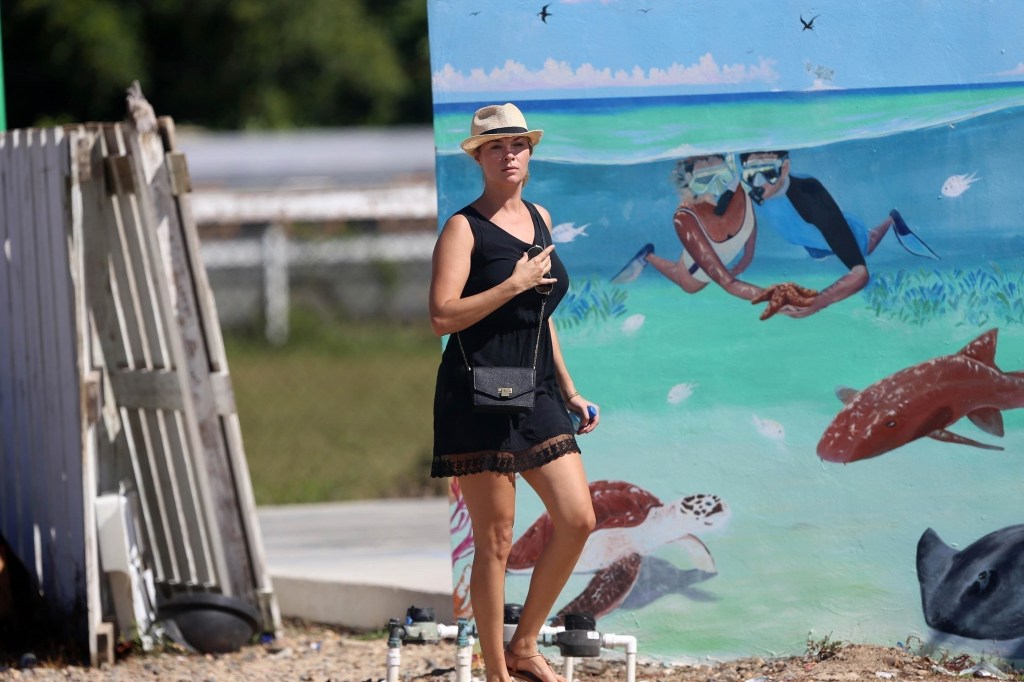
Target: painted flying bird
{"points": [[544, 13], [473, 14], [808, 25]]}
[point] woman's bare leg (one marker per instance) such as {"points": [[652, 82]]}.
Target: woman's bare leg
{"points": [[491, 501], [562, 487]]}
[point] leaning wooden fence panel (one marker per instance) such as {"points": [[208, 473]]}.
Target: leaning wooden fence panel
{"points": [[113, 377], [42, 511]]}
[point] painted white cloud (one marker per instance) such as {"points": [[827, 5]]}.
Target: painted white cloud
{"points": [[1015, 71], [823, 85], [562, 75]]}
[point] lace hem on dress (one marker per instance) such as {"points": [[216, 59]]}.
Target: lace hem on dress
{"points": [[503, 461]]}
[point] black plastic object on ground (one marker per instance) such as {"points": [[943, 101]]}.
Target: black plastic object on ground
{"points": [[211, 623], [512, 613], [580, 639]]}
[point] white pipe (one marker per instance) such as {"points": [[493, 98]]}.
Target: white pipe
{"points": [[567, 670], [464, 663], [547, 633], [627, 642], [394, 660], [447, 631]]}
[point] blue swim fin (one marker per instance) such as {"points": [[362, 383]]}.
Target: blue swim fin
{"points": [[634, 267], [910, 242]]}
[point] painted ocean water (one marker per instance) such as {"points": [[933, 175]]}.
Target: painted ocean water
{"points": [[811, 548]]}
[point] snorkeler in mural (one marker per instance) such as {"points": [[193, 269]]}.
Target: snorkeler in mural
{"points": [[805, 214], [716, 225]]}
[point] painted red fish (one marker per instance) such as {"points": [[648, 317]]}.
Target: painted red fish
{"points": [[922, 401]]}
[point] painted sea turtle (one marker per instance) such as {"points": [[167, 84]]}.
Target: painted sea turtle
{"points": [[631, 523]]}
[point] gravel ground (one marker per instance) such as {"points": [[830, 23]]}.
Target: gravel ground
{"points": [[312, 653]]}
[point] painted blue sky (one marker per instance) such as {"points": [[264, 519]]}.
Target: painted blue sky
{"points": [[592, 48]]}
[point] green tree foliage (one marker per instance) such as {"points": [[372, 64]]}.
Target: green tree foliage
{"points": [[219, 63]]}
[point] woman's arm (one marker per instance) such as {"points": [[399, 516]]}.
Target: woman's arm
{"points": [[704, 255], [449, 312], [573, 400]]}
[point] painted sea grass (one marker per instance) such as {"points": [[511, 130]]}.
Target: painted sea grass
{"points": [[590, 300], [976, 297]]}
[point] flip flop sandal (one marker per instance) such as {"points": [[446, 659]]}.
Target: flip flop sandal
{"points": [[526, 675]]}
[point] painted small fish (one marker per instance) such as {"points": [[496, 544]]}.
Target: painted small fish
{"points": [[955, 185], [769, 428], [564, 233], [632, 323], [923, 400], [680, 392]]}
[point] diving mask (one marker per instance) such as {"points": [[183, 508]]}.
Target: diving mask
{"points": [[713, 181], [756, 175], [761, 173]]}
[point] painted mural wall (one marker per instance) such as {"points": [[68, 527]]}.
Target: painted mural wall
{"points": [[797, 259]]}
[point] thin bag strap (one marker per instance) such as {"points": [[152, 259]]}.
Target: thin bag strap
{"points": [[544, 297], [536, 345]]}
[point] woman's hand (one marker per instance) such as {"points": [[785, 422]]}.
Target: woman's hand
{"points": [[580, 406], [529, 272]]}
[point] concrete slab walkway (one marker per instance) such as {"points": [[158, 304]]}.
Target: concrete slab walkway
{"points": [[359, 563]]}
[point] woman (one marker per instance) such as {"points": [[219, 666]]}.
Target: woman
{"points": [[484, 293]]}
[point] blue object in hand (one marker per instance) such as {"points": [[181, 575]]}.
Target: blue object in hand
{"points": [[591, 410]]}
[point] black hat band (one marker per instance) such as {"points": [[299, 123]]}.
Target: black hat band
{"points": [[504, 131]]}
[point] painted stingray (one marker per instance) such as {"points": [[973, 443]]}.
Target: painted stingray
{"points": [[977, 592], [922, 401], [631, 523]]}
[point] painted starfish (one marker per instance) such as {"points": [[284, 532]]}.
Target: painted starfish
{"points": [[781, 295]]}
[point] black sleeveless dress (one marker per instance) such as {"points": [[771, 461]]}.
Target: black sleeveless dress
{"points": [[468, 442]]}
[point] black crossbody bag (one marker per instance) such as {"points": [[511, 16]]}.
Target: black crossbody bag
{"points": [[508, 390]]}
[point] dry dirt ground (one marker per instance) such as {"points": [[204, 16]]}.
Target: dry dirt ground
{"points": [[312, 653]]}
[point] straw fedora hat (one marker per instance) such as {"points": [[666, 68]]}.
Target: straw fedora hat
{"points": [[498, 120]]}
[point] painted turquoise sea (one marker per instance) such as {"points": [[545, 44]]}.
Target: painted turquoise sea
{"points": [[811, 548]]}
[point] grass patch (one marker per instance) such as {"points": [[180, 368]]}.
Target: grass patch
{"points": [[342, 411]]}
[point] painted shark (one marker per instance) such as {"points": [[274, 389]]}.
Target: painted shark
{"points": [[922, 401]]}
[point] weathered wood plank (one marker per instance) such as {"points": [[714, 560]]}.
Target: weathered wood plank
{"points": [[223, 395], [226, 531], [100, 635], [99, 228], [23, 541], [66, 375], [7, 501], [161, 447], [177, 474], [132, 265], [193, 515], [46, 510]]}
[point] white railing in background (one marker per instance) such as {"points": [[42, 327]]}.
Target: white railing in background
{"points": [[275, 255], [402, 202]]}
